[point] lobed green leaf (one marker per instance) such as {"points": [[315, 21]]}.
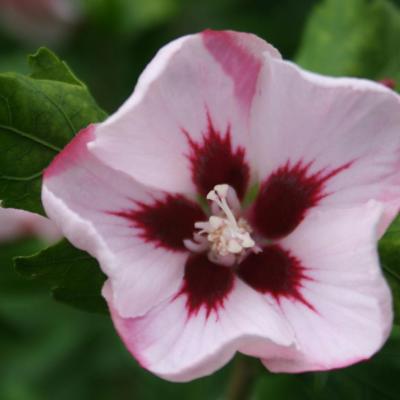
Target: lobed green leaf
{"points": [[39, 115], [73, 275]]}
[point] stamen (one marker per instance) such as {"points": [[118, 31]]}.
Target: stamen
{"points": [[227, 238]]}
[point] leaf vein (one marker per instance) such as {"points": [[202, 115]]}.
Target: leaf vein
{"points": [[22, 178], [30, 137]]}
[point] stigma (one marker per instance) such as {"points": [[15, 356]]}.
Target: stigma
{"points": [[225, 236]]}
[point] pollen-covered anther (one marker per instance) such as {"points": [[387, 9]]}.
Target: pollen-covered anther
{"points": [[227, 237]]}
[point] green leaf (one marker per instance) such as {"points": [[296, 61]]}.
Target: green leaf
{"points": [[375, 379], [12, 284], [353, 37], [39, 115], [44, 64], [389, 252], [73, 275]]}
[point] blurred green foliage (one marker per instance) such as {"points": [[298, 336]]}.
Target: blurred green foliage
{"points": [[50, 351], [115, 39], [353, 38]]}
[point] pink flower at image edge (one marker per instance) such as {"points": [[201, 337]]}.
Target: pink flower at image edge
{"points": [[40, 21], [293, 278], [16, 224]]}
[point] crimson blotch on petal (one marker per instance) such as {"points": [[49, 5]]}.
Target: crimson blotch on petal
{"points": [[286, 196], [214, 161], [165, 222], [276, 272], [205, 284]]}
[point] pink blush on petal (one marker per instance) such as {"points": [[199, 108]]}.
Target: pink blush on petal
{"points": [[75, 149], [236, 60]]}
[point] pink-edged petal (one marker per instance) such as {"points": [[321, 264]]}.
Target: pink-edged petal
{"points": [[321, 141], [185, 127], [198, 330], [15, 224], [136, 233], [342, 311]]}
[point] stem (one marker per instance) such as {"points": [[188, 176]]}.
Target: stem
{"points": [[242, 378]]}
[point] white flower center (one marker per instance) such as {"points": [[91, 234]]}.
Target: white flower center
{"points": [[226, 237]]}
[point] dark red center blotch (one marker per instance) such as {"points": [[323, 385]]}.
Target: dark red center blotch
{"points": [[214, 162], [285, 197], [274, 271], [165, 223], [205, 284]]}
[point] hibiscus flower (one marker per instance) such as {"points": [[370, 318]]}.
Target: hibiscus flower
{"points": [[235, 202]]}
